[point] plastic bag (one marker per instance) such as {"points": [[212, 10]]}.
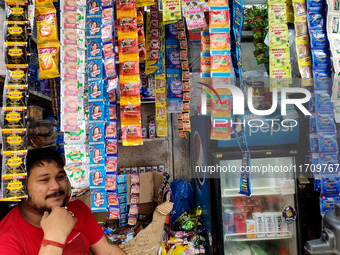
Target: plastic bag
{"points": [[183, 198]]}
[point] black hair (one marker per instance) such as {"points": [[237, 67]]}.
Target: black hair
{"points": [[37, 157]]}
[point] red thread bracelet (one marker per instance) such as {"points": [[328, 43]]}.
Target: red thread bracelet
{"points": [[53, 243]]}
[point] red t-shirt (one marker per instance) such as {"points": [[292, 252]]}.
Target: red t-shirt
{"points": [[18, 237]]}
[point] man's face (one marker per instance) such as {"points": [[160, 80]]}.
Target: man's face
{"points": [[46, 186]]}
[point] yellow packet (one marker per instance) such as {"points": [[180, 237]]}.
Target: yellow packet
{"points": [[171, 10], [279, 77], [290, 11], [162, 128], [43, 2], [277, 14], [127, 14], [278, 36], [161, 111], [48, 54], [279, 57], [46, 23]]}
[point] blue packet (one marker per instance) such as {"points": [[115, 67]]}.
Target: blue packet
{"points": [[93, 26], [317, 182], [121, 178], [244, 179], [107, 3], [329, 159], [95, 69], [108, 49], [323, 101], [111, 130], [171, 31], [173, 54], [112, 146], [312, 124], [327, 203], [93, 7], [112, 198], [107, 15], [318, 39], [98, 200], [107, 32], [96, 111], [123, 208], [313, 143], [110, 67], [330, 184], [96, 132], [327, 142], [94, 48], [97, 177], [174, 81], [315, 3], [325, 121], [97, 154], [321, 59], [96, 91], [111, 164], [322, 80], [123, 220], [311, 103], [110, 181], [114, 212], [316, 19], [122, 198], [121, 188]]}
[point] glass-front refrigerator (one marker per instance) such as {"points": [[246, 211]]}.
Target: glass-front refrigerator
{"points": [[240, 225], [256, 224]]}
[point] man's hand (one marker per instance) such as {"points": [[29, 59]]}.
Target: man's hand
{"points": [[58, 224]]}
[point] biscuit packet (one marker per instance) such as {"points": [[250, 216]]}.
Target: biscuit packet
{"points": [[48, 54], [46, 23]]}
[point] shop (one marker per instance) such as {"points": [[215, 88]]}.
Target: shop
{"points": [[214, 122]]}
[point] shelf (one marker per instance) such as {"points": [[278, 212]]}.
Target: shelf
{"points": [[254, 2], [256, 191], [38, 94], [239, 237], [150, 139]]}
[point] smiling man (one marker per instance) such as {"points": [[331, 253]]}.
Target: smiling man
{"points": [[45, 223]]}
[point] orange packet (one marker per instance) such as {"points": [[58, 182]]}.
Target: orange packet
{"points": [[48, 54], [46, 23]]}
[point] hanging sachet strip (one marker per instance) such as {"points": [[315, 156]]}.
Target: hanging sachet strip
{"points": [[279, 56]]}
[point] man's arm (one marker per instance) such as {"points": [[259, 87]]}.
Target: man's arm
{"points": [[102, 247], [56, 226]]}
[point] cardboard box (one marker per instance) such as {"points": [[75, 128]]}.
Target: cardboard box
{"points": [[149, 184]]}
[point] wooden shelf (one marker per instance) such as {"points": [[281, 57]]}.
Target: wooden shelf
{"points": [[37, 95]]}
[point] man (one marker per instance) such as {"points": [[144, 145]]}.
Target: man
{"points": [[45, 223]]}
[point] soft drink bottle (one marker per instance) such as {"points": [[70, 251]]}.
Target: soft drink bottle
{"points": [[240, 224]]}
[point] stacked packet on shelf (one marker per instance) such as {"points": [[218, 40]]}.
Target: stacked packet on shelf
{"points": [[14, 132]]}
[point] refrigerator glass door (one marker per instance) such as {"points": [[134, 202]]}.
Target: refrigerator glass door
{"points": [[255, 225]]}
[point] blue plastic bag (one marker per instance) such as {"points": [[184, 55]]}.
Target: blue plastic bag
{"points": [[183, 198]]}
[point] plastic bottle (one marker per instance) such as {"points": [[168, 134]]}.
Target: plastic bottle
{"points": [[240, 224], [283, 251], [270, 204], [258, 205]]}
